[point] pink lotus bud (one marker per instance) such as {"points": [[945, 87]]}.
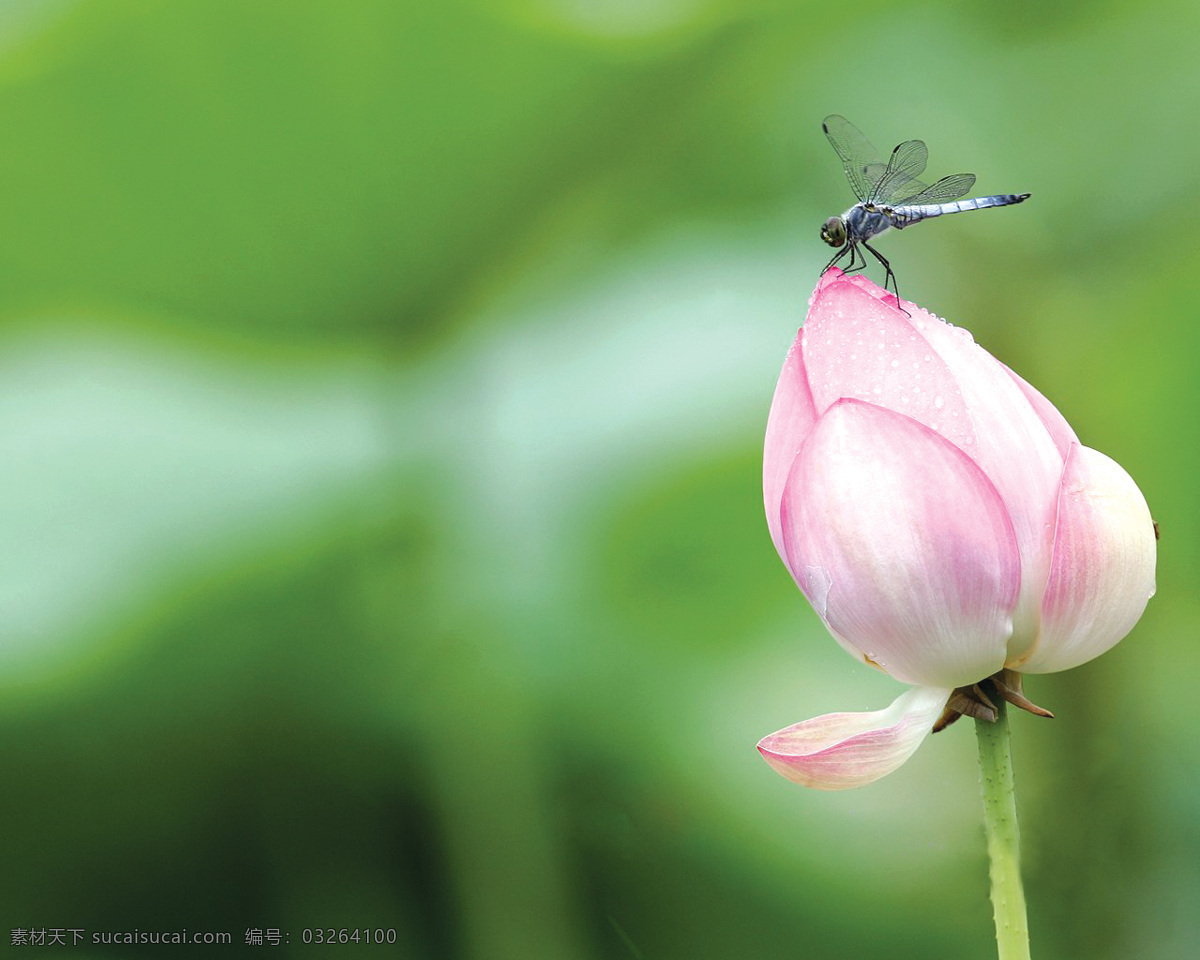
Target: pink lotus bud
{"points": [[942, 518]]}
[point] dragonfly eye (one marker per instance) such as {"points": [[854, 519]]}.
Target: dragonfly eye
{"points": [[833, 232]]}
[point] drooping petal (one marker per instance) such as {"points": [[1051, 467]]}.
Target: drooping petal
{"points": [[843, 750], [789, 422], [1102, 573], [902, 545]]}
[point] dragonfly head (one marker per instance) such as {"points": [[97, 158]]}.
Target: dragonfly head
{"points": [[833, 232]]}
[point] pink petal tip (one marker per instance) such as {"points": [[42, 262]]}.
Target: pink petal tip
{"points": [[839, 751]]}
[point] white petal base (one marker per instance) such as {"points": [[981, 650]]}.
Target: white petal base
{"points": [[838, 751]]}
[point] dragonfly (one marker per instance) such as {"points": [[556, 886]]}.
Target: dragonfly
{"points": [[891, 195]]}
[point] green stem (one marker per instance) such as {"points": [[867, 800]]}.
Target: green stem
{"points": [[1003, 840]]}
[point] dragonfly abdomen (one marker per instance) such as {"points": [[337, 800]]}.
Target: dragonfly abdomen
{"points": [[905, 216]]}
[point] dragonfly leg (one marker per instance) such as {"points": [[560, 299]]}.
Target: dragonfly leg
{"points": [[848, 248], [888, 274], [856, 261]]}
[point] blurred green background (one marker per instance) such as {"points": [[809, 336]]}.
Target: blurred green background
{"points": [[382, 392]]}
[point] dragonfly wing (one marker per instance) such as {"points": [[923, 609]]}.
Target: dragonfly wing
{"points": [[947, 189], [900, 180], [860, 159]]}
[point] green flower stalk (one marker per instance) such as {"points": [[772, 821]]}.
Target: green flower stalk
{"points": [[1003, 836]]}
